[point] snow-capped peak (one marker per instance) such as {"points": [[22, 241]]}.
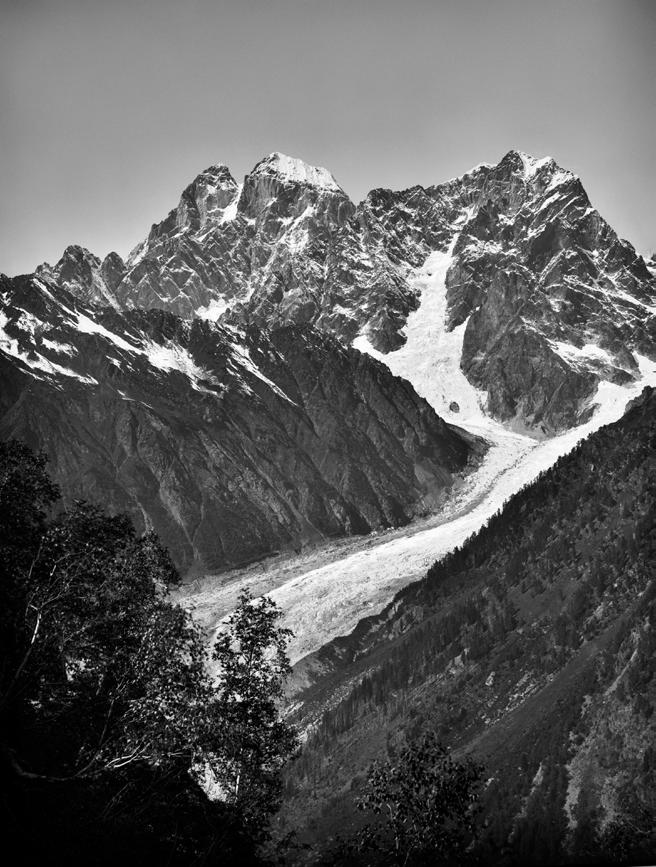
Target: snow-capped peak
{"points": [[297, 171], [532, 165], [527, 165], [218, 175]]}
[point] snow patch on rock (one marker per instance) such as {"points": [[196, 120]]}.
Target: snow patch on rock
{"points": [[34, 360], [88, 326], [214, 310], [171, 356], [245, 361], [230, 212]]}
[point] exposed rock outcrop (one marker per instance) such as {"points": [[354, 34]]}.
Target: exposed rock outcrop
{"points": [[230, 444]]}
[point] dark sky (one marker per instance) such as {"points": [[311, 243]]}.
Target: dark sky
{"points": [[109, 108]]}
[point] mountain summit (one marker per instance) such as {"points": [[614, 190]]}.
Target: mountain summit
{"points": [[546, 302], [502, 297], [293, 170]]}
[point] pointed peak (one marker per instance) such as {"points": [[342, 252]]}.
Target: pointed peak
{"points": [[217, 170], [205, 199], [74, 256], [113, 258], [296, 171], [529, 165], [78, 253], [218, 175]]}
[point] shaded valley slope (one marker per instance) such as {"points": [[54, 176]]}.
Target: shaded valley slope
{"points": [[231, 443], [532, 648]]}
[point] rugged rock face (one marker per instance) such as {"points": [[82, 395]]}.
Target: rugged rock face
{"points": [[554, 302], [231, 444], [85, 275]]}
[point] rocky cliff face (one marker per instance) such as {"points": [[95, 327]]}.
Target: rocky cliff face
{"points": [[551, 300], [230, 443], [554, 302]]}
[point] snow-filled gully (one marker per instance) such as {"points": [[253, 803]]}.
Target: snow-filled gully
{"points": [[328, 600]]}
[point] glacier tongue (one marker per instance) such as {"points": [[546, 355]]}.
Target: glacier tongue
{"points": [[324, 603]]}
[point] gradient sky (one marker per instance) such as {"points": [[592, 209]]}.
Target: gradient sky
{"points": [[110, 107]]}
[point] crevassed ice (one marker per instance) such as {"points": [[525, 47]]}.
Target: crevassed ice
{"points": [[328, 601]]}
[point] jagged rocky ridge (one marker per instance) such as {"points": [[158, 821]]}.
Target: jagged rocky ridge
{"points": [[546, 303], [552, 300], [230, 443]]}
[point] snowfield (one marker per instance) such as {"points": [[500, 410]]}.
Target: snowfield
{"points": [[322, 600]]}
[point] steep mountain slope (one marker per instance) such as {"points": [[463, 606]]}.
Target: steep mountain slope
{"points": [[230, 443], [540, 301], [544, 299], [502, 297], [530, 647], [214, 386]]}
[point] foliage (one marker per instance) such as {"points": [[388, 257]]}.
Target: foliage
{"points": [[107, 708], [114, 671], [427, 801], [26, 495], [254, 667]]}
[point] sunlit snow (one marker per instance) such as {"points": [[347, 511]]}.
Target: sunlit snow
{"points": [[230, 212], [588, 352], [34, 360], [214, 310], [173, 357], [61, 348], [298, 171], [329, 600], [88, 326], [430, 358]]}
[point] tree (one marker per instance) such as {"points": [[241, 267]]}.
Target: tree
{"points": [[26, 495], [254, 666], [427, 802], [107, 706], [112, 670]]}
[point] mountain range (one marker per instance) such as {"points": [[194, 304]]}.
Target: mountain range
{"points": [[222, 384], [535, 272], [275, 369]]}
